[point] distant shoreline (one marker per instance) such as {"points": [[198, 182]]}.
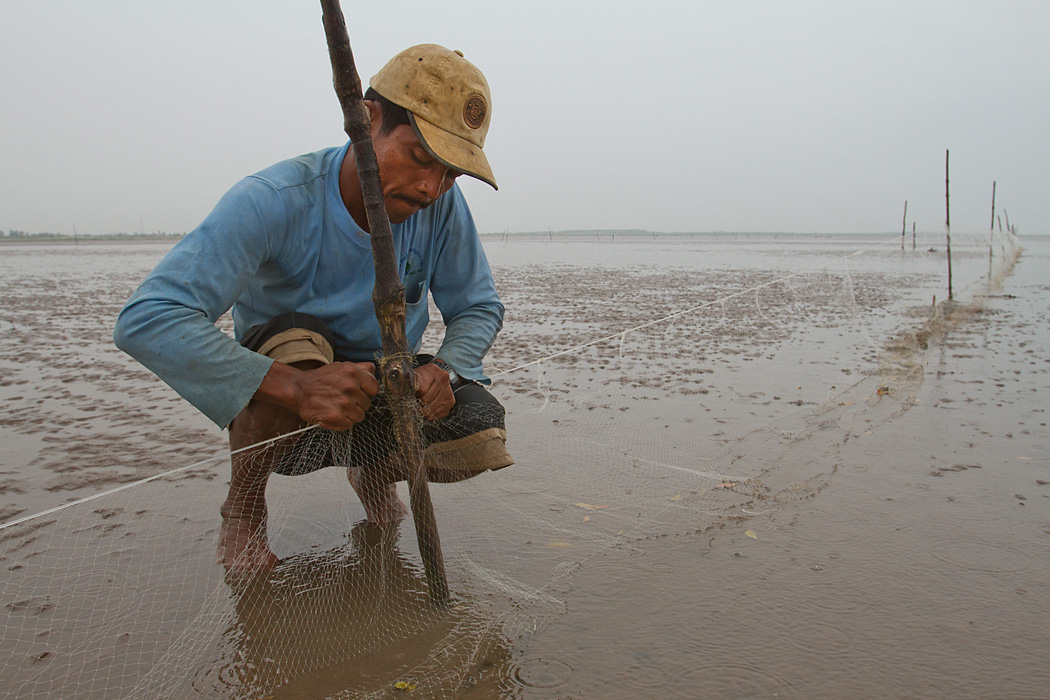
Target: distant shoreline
{"points": [[89, 240], [565, 235]]}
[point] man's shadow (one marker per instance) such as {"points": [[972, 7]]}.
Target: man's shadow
{"points": [[357, 616]]}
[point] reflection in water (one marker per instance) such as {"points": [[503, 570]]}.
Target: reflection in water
{"points": [[351, 621]]}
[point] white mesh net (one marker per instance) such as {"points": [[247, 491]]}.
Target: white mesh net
{"points": [[641, 377]]}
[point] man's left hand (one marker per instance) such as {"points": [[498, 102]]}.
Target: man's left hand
{"points": [[435, 391]]}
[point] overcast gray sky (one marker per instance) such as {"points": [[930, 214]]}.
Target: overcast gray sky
{"points": [[824, 116]]}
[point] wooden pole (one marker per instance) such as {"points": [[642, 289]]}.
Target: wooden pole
{"points": [[913, 235], [948, 224], [904, 223], [992, 227], [388, 296], [991, 235]]}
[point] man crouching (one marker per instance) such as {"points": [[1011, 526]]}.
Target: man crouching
{"points": [[288, 250]]}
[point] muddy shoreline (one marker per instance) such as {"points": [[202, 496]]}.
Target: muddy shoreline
{"points": [[775, 493]]}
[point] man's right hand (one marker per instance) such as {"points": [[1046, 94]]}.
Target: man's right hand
{"points": [[334, 396]]}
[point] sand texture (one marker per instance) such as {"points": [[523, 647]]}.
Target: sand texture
{"points": [[746, 466]]}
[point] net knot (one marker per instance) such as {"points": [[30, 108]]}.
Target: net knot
{"points": [[397, 358]]}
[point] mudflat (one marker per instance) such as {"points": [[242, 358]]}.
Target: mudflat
{"points": [[746, 467]]}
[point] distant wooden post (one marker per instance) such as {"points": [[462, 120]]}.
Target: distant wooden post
{"points": [[904, 223], [1007, 215], [913, 235], [991, 235], [948, 223], [992, 227]]}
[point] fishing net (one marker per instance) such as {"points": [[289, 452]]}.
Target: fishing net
{"points": [[654, 387]]}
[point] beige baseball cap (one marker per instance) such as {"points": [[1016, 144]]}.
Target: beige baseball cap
{"points": [[448, 104]]}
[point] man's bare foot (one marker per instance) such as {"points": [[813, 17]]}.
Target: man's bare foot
{"points": [[382, 505], [243, 546]]}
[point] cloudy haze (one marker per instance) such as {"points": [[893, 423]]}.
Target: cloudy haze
{"points": [[669, 116]]}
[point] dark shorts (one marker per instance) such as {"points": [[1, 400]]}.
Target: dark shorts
{"points": [[471, 439]]}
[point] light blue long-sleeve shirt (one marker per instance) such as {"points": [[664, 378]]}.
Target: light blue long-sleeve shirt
{"points": [[282, 240]]}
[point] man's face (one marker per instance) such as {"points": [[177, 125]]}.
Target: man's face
{"points": [[411, 178]]}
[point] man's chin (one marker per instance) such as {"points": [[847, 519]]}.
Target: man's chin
{"points": [[401, 211]]}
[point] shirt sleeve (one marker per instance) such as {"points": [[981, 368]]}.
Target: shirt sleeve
{"points": [[169, 323], [465, 293]]}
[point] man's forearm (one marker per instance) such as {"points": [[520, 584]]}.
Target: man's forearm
{"points": [[200, 362], [469, 336]]}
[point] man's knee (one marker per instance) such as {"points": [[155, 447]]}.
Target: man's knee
{"points": [[283, 340], [292, 338], [462, 458]]}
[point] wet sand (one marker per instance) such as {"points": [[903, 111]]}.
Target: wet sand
{"points": [[921, 569], [772, 495]]}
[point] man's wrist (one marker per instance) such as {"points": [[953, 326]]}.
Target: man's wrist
{"points": [[279, 386], [453, 376]]}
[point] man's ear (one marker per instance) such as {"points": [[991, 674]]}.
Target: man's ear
{"points": [[375, 115]]}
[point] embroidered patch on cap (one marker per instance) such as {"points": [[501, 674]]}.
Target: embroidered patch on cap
{"points": [[474, 111]]}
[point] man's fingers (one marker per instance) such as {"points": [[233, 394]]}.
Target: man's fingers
{"points": [[333, 422], [428, 392], [367, 378], [336, 396], [354, 407], [437, 400], [344, 416], [336, 425], [437, 410]]}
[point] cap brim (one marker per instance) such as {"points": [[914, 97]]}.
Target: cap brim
{"points": [[455, 152]]}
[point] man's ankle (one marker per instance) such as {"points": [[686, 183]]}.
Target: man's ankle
{"points": [[253, 509]]}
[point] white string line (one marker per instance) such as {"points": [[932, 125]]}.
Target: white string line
{"points": [[671, 317], [715, 476], [148, 479]]}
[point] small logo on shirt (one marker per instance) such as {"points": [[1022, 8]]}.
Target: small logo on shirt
{"points": [[411, 264]]}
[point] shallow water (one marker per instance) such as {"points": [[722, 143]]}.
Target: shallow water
{"points": [[756, 498]]}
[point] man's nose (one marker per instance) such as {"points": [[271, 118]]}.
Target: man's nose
{"points": [[430, 184]]}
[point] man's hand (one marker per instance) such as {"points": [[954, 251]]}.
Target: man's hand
{"points": [[334, 396], [434, 390]]}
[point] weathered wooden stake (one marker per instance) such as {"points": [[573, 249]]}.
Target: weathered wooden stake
{"points": [[913, 235], [992, 227], [904, 223], [388, 296], [948, 224], [991, 235]]}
